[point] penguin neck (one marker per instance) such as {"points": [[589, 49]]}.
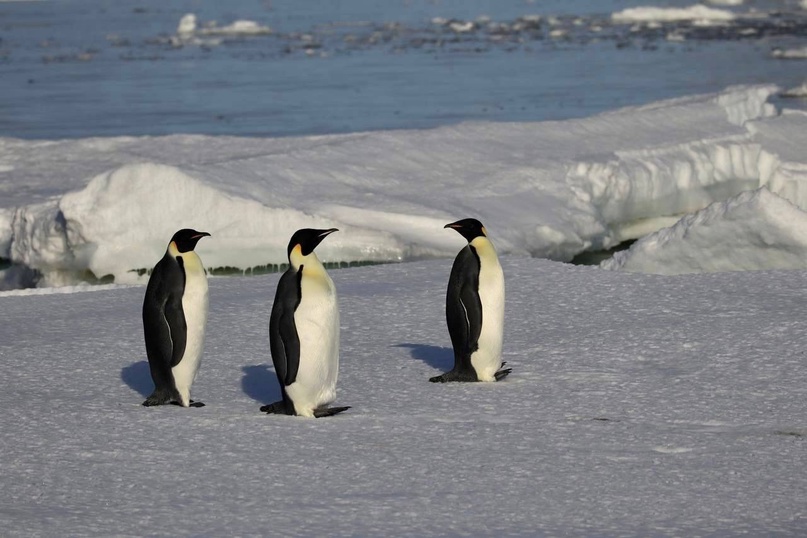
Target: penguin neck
{"points": [[482, 244], [310, 262], [173, 250]]}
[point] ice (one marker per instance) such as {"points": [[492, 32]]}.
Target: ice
{"points": [[798, 91], [697, 12], [753, 231], [190, 33], [797, 53], [549, 189], [639, 405]]}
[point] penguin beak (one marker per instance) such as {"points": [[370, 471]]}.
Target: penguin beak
{"points": [[453, 225], [200, 235], [326, 233]]}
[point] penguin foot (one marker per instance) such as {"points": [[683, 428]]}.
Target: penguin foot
{"points": [[501, 374], [279, 408], [453, 375], [329, 411], [158, 398], [190, 404]]}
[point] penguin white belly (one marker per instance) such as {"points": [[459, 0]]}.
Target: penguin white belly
{"points": [[488, 358], [317, 322], [194, 306]]}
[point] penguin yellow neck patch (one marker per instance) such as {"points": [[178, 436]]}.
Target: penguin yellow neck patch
{"points": [[296, 256]]}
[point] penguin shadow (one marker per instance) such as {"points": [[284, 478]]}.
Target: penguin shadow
{"points": [[138, 376], [438, 357], [260, 384]]}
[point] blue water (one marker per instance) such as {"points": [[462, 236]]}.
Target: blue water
{"points": [[85, 68]]}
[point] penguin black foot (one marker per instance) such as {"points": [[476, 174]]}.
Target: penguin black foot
{"points": [[501, 374], [158, 397], [453, 375], [190, 404], [504, 372], [278, 408], [329, 411]]}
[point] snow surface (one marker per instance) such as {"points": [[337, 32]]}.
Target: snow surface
{"points": [[639, 405], [550, 189]]}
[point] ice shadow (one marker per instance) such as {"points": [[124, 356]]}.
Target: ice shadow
{"points": [[260, 384], [138, 376], [438, 357]]}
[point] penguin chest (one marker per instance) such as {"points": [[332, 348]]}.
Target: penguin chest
{"points": [[488, 357], [317, 321], [195, 308]]}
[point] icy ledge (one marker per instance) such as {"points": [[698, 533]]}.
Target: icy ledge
{"points": [[549, 189], [753, 231]]}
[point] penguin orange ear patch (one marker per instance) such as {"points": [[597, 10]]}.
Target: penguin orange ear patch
{"points": [[484, 231]]}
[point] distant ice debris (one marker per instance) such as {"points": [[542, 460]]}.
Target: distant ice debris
{"points": [[696, 13], [725, 2], [798, 91], [755, 230], [237, 28], [190, 33], [799, 53]]}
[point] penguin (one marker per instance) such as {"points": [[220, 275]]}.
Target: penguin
{"points": [[174, 318], [475, 308], [304, 332]]}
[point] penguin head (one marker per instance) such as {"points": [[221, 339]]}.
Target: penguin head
{"points": [[307, 239], [186, 239], [470, 229]]}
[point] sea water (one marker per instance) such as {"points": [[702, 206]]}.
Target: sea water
{"points": [[78, 68]]}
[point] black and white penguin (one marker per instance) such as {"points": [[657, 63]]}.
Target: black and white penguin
{"points": [[475, 308], [174, 318], [304, 332]]}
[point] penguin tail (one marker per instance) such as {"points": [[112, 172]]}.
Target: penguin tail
{"points": [[329, 411]]}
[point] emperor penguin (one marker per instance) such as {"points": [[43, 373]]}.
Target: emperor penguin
{"points": [[174, 318], [304, 332], [475, 308]]}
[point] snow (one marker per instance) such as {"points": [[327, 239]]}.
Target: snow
{"points": [[553, 189], [752, 231], [696, 12], [639, 405]]}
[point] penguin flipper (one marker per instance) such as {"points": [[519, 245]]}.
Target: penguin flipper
{"points": [[464, 311], [164, 327], [329, 411], [284, 343]]}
